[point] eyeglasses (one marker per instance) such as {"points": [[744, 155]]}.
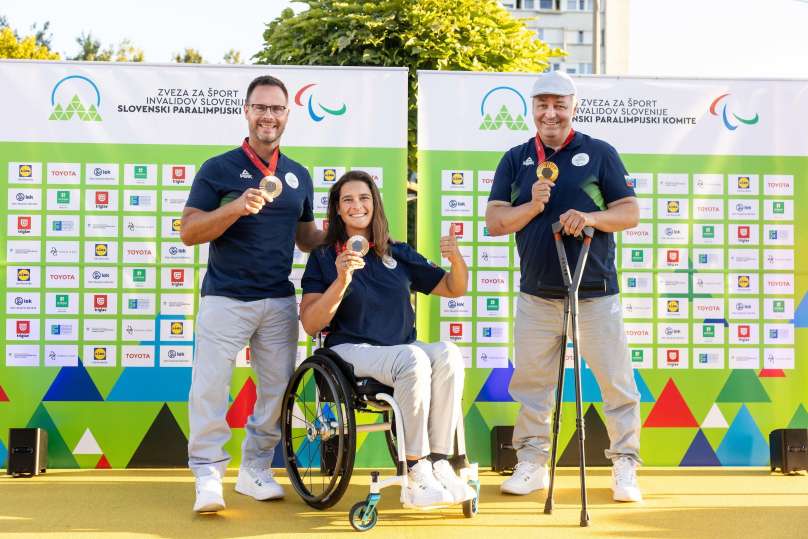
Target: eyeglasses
{"points": [[276, 110]]}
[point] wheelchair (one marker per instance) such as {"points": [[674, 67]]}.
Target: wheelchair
{"points": [[319, 431]]}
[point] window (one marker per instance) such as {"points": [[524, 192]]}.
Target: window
{"points": [[540, 33], [527, 4], [579, 5], [548, 4], [580, 36], [572, 70], [585, 68]]}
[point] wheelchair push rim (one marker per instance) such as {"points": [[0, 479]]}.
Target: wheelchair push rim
{"points": [[318, 412]]}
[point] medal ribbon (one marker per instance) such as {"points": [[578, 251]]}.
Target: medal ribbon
{"points": [[540, 146], [273, 161]]}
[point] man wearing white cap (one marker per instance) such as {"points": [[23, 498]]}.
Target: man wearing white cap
{"points": [[581, 182]]}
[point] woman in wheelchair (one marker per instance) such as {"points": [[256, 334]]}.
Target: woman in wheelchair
{"points": [[365, 302]]}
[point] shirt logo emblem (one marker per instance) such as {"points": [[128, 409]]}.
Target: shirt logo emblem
{"points": [[246, 175], [389, 262], [527, 162]]}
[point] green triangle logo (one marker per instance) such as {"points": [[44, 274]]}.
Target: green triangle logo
{"points": [[800, 419], [519, 124], [59, 455], [488, 123], [92, 112], [75, 107]]}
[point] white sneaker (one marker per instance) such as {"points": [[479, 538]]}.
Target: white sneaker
{"points": [[527, 477], [423, 490], [258, 483], [624, 480], [208, 494], [445, 474]]}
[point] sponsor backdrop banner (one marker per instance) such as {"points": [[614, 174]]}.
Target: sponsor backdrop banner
{"points": [[96, 162], [713, 279]]}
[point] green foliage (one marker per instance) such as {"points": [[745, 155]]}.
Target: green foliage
{"points": [[91, 51], [232, 57], [458, 35], [190, 56]]}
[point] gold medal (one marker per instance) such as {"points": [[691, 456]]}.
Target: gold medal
{"points": [[358, 244], [271, 187], [547, 170]]}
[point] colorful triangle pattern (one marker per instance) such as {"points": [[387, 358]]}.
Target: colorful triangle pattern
{"points": [[87, 445], [152, 384], [700, 453], [596, 442], [670, 409], [59, 455], [743, 445], [242, 407], [800, 418], [103, 463], [772, 373], [495, 388], [3, 396], [715, 419], [73, 384], [163, 446], [743, 385]]}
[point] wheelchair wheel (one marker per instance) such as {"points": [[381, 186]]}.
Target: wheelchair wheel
{"points": [[362, 524], [318, 410], [470, 507]]}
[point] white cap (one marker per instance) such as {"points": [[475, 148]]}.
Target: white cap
{"points": [[553, 83]]}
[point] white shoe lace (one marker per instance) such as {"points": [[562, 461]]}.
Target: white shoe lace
{"points": [[423, 476]]}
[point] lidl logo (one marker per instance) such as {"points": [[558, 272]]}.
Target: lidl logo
{"points": [[508, 99], [673, 305], [457, 178], [318, 111], [176, 224], [730, 119], [141, 172], [23, 275], [176, 328], [743, 281], [25, 171], [329, 175], [70, 88], [743, 182], [673, 206], [99, 353], [101, 249]]}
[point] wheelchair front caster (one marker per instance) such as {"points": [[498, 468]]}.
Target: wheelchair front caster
{"points": [[470, 507], [363, 518]]}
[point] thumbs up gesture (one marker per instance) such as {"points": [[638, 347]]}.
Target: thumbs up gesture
{"points": [[448, 247]]}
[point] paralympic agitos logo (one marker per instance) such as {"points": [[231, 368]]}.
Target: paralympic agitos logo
{"points": [[317, 111], [730, 119]]}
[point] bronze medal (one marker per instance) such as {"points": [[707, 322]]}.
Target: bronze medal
{"points": [[271, 187], [547, 170], [358, 244]]}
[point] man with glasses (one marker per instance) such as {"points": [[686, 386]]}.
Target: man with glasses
{"points": [[252, 204]]}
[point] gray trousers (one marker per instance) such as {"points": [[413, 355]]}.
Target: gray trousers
{"points": [[602, 343], [223, 327], [427, 382]]}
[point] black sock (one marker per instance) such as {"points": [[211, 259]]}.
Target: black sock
{"points": [[435, 457], [411, 463]]}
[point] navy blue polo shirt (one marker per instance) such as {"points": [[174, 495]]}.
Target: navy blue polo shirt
{"points": [[591, 175], [252, 259], [376, 306]]}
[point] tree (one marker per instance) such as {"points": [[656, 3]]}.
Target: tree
{"points": [[232, 57], [91, 51], [190, 56], [127, 52], [35, 47], [458, 35]]}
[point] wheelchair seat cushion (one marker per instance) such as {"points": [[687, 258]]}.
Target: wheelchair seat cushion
{"points": [[362, 386]]}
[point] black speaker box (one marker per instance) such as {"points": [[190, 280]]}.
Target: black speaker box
{"points": [[503, 456], [789, 449], [27, 452]]}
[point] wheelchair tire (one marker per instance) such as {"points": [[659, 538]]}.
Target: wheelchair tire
{"points": [[470, 507], [357, 523], [318, 391]]}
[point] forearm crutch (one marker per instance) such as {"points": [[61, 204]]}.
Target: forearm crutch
{"points": [[571, 284]]}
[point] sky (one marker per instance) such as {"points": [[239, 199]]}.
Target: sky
{"points": [[685, 38]]}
